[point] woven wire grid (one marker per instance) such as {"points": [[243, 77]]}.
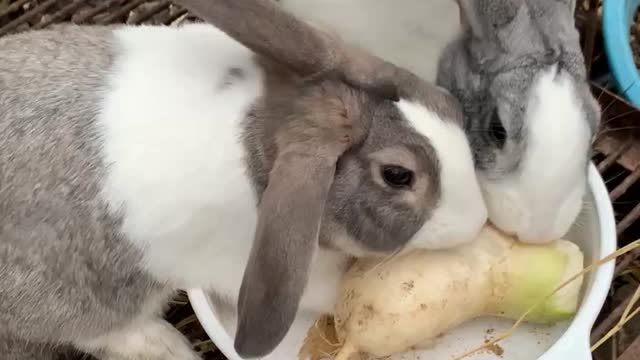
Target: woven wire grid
{"points": [[616, 151], [21, 15]]}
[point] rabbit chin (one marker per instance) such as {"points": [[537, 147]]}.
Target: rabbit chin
{"points": [[542, 198]]}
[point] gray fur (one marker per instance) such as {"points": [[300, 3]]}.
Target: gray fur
{"points": [[67, 274], [494, 63], [385, 128], [65, 271]]}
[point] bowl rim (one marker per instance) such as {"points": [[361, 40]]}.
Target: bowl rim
{"points": [[203, 310], [574, 340], [617, 16]]}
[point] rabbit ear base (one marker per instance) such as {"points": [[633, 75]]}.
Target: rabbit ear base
{"points": [[503, 24], [483, 18]]}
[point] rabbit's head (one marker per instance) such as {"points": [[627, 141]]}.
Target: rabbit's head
{"points": [[530, 116], [368, 162], [354, 173]]}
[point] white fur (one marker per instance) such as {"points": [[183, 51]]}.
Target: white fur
{"points": [[541, 201], [172, 136], [177, 169], [409, 33], [461, 212]]}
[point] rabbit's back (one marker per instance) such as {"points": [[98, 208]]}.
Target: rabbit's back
{"points": [[121, 164], [63, 260]]}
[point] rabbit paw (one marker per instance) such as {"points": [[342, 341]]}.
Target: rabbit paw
{"points": [[152, 340]]}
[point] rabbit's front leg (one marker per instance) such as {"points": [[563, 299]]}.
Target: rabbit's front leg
{"points": [[149, 339]]}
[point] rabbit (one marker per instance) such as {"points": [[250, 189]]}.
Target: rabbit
{"points": [[530, 115], [251, 155]]}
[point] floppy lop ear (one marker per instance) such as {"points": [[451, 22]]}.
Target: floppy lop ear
{"points": [[269, 30], [501, 26], [290, 213]]}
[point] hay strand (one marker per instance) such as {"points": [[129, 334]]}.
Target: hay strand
{"points": [[626, 316], [321, 340]]}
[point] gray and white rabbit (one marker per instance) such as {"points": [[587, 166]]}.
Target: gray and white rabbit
{"points": [[519, 72], [253, 157], [518, 69]]}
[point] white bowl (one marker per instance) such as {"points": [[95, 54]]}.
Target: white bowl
{"points": [[596, 235]]}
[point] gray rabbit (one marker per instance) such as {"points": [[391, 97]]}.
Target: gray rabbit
{"points": [[530, 116], [253, 157]]}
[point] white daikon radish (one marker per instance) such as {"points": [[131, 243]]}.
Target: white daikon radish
{"points": [[386, 308]]}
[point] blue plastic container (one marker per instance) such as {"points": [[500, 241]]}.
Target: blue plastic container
{"points": [[617, 18]]}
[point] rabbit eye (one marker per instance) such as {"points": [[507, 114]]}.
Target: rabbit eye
{"points": [[397, 176], [496, 130]]}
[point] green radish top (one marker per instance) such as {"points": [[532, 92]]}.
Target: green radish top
{"points": [[532, 273]]}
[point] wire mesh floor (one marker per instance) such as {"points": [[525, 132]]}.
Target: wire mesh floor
{"points": [[616, 152]]}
